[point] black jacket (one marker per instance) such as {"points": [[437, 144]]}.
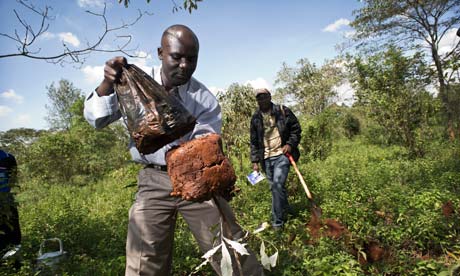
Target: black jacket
{"points": [[288, 127]]}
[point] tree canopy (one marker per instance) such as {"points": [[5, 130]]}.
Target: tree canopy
{"points": [[411, 24], [312, 87], [392, 89], [61, 98], [415, 24]]}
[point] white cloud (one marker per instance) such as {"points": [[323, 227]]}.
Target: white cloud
{"points": [[143, 61], [66, 37], [69, 38], [47, 35], [90, 3], [23, 119], [334, 27], [215, 90], [448, 42], [258, 83], [142, 54], [5, 110], [10, 94], [345, 94], [93, 74]]}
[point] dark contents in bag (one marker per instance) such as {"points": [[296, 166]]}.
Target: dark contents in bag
{"points": [[154, 116], [199, 169]]}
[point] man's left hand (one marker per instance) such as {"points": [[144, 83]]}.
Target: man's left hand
{"points": [[286, 149]]}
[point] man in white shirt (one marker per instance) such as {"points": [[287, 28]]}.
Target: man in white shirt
{"points": [[153, 215]]}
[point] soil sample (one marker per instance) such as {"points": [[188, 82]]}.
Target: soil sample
{"points": [[199, 169], [154, 116]]}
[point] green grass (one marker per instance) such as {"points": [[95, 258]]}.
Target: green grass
{"points": [[355, 184]]}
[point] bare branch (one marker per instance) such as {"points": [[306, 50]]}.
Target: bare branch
{"points": [[67, 55]]}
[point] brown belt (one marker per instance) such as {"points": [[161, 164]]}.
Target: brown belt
{"points": [[163, 168]]}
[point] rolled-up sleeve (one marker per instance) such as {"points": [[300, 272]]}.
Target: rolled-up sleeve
{"points": [[100, 111]]}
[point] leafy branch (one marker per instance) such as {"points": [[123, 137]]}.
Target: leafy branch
{"points": [[238, 248], [188, 5]]}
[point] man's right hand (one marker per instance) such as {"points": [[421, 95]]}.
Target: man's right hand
{"points": [[255, 167], [112, 74]]}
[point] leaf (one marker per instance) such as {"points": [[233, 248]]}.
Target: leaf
{"points": [[267, 262], [264, 258], [226, 262], [211, 252], [198, 267], [206, 256], [273, 258], [239, 247], [262, 227]]}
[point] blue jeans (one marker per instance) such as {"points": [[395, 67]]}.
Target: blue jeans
{"points": [[277, 169]]}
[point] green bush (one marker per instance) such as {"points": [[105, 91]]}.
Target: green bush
{"points": [[317, 136], [351, 125]]}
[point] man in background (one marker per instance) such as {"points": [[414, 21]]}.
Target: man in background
{"points": [[275, 132]]}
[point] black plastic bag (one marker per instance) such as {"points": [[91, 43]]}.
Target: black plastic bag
{"points": [[154, 116]]}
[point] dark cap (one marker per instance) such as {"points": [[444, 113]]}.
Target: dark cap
{"points": [[262, 91]]}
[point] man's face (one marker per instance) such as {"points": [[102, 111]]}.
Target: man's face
{"points": [[264, 101], [179, 56]]}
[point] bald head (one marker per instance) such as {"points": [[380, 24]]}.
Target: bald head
{"points": [[182, 33], [178, 54]]}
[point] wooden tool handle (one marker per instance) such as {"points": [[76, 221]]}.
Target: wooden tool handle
{"points": [[307, 191]]}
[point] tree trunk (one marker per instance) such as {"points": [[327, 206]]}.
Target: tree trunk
{"points": [[443, 92]]}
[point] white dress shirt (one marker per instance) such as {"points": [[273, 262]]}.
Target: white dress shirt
{"points": [[195, 97]]}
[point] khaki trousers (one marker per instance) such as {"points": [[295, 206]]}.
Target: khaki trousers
{"points": [[152, 220]]}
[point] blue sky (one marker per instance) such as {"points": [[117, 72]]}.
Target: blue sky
{"points": [[240, 41]]}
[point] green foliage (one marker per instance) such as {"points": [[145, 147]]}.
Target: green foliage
{"points": [[62, 99], [406, 194], [16, 141], [77, 156], [392, 89], [188, 5], [376, 192], [310, 86], [453, 109], [317, 135], [410, 24], [351, 125], [90, 220], [396, 20], [67, 158], [238, 104], [54, 158], [126, 2], [331, 262]]}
